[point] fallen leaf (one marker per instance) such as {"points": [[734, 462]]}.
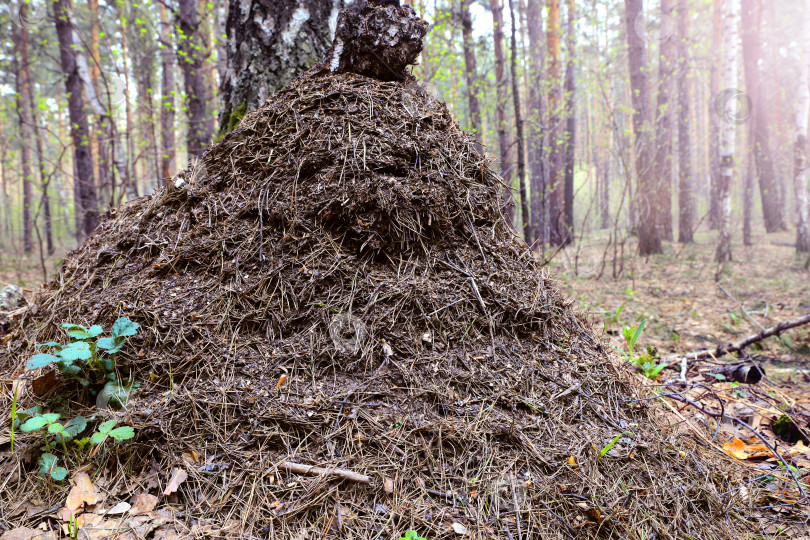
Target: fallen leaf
{"points": [[388, 485], [458, 528], [572, 461], [800, 448], [736, 448], [119, 508], [143, 503], [24, 533], [281, 380], [191, 457], [83, 492], [42, 385], [178, 477]]}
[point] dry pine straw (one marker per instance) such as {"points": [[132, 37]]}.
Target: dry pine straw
{"points": [[346, 195]]}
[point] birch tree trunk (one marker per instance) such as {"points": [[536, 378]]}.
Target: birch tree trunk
{"points": [[727, 128], [270, 42], [800, 147], [649, 240], [686, 203]]}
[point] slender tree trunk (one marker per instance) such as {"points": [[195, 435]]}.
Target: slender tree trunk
{"points": [[500, 108], [167, 100], [759, 137], [686, 203], [23, 88], [800, 146], [665, 115], [270, 42], [536, 114], [86, 202], [44, 179], [471, 72], [192, 53], [570, 125], [715, 212], [649, 240], [555, 187], [727, 129], [521, 158]]}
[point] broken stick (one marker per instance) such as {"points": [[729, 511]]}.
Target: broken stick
{"points": [[312, 470], [743, 343]]}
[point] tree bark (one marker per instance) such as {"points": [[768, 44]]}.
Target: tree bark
{"points": [[758, 131], [192, 53], [649, 240], [727, 130], [800, 146], [85, 201], [167, 100], [537, 116], [23, 89], [521, 158], [500, 108], [555, 188], [715, 218], [471, 72], [270, 42], [570, 126], [665, 115], [686, 203]]}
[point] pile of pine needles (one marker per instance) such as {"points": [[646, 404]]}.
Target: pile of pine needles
{"points": [[334, 285]]}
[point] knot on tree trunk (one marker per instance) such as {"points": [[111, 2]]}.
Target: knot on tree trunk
{"points": [[375, 38]]}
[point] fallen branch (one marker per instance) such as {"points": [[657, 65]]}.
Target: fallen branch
{"points": [[743, 343], [312, 470]]}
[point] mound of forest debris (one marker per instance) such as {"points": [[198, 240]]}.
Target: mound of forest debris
{"points": [[340, 334]]}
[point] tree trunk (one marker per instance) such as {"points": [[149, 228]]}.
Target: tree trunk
{"points": [[270, 42], [536, 115], [167, 100], [686, 203], [570, 126], [521, 158], [192, 53], [665, 115], [758, 123], [555, 187], [23, 89], [800, 146], [727, 128], [500, 108], [649, 240], [86, 202], [471, 72], [715, 212]]}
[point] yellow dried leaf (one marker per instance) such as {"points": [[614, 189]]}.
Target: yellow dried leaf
{"points": [[82, 492], [736, 448], [572, 461]]}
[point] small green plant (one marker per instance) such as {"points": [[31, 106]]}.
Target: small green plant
{"points": [[646, 362], [412, 535], [89, 358]]}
